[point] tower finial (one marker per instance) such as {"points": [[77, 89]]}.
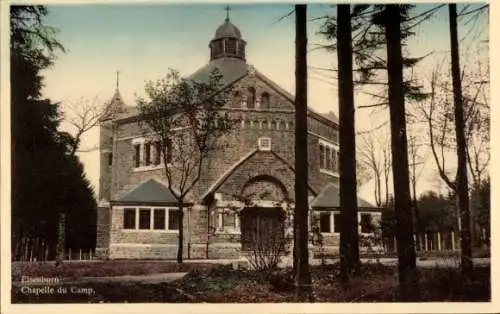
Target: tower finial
{"points": [[227, 8], [117, 79]]}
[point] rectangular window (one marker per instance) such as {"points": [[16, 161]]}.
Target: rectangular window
{"points": [[264, 143], [173, 219], [158, 153], [366, 223], [325, 222], [328, 157], [110, 159], [336, 223], [169, 147], [129, 218], [159, 219], [137, 156], [147, 154], [229, 220], [321, 156], [144, 219]]}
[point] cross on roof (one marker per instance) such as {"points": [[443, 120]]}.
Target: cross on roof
{"points": [[227, 8]]}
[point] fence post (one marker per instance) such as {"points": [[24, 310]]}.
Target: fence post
{"points": [[426, 242], [80, 254], [439, 241], [395, 245], [453, 240], [69, 254], [414, 239]]}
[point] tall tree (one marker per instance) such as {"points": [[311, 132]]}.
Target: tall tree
{"points": [[349, 242], [407, 269], [186, 117], [462, 185], [302, 277], [46, 179]]}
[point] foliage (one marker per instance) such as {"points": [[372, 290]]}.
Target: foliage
{"points": [[221, 285], [266, 252], [369, 44], [480, 204], [437, 212], [373, 242], [46, 179], [187, 117]]}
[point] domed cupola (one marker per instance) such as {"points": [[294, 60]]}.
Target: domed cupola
{"points": [[227, 42]]}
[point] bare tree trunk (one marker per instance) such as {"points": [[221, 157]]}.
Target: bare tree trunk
{"points": [[181, 234], [408, 279], [349, 246], [303, 290], [461, 183]]}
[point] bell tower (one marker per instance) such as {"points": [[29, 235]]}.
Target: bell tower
{"points": [[227, 42]]}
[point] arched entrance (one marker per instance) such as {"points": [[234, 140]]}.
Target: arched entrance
{"points": [[263, 220]]}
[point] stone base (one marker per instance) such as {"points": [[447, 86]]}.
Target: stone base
{"points": [[101, 253]]}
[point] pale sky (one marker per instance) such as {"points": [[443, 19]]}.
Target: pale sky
{"points": [[143, 41]]}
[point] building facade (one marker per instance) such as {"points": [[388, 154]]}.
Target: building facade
{"points": [[246, 190]]}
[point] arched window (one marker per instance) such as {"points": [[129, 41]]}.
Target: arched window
{"points": [[321, 156], [256, 124], [264, 103], [273, 124], [251, 98], [265, 125]]}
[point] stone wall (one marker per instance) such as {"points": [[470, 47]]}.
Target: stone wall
{"points": [[275, 122]]}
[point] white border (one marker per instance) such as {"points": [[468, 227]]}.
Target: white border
{"points": [[5, 162]]}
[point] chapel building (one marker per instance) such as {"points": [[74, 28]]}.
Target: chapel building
{"points": [[246, 190]]}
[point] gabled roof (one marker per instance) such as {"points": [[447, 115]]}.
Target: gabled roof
{"points": [[152, 192], [329, 197], [219, 182], [232, 70]]}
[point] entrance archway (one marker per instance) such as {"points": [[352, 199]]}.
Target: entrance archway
{"points": [[263, 224]]}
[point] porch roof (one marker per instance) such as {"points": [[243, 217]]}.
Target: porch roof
{"points": [[329, 197], [152, 192]]}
